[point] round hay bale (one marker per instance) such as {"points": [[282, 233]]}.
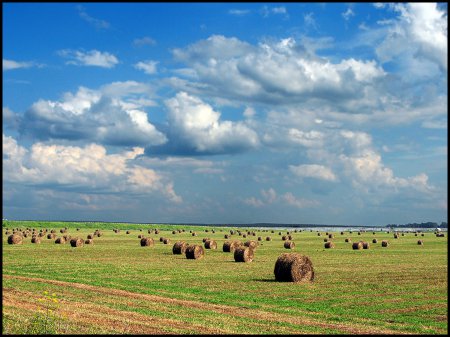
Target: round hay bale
{"points": [[268, 238], [53, 231], [62, 230], [156, 231], [78, 229], [403, 234], [244, 235], [60, 240], [374, 241], [330, 236], [440, 235], [146, 242], [329, 244], [342, 233], [50, 236], [140, 236], [128, 232], [359, 233], [194, 252], [210, 244], [205, 239], [99, 234], [194, 234], [66, 237], [289, 244], [259, 238], [149, 231], [357, 245], [166, 241], [226, 236], [252, 244], [384, 243], [244, 254], [180, 247], [366, 245], [89, 241], [348, 240], [289, 237], [420, 242], [76, 242], [318, 234], [174, 232], [161, 239], [422, 234], [293, 267], [230, 246], [279, 233], [284, 238], [90, 236], [35, 239], [325, 240], [15, 239]]}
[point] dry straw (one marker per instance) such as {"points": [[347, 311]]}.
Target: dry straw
{"points": [[244, 254], [293, 267], [147, 242], [14, 239], [210, 244], [289, 244], [180, 247], [194, 252], [230, 246]]}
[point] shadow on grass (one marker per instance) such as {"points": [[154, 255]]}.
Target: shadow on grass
{"points": [[265, 280]]}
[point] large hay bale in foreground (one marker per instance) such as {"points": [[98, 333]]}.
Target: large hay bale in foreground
{"points": [[180, 247], [210, 244], [194, 252], [76, 242], [60, 241], [147, 242], [252, 244], [244, 254], [15, 239], [293, 267], [357, 245], [384, 243], [230, 246], [329, 244], [289, 244]]}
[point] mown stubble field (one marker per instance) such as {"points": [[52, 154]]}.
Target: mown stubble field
{"points": [[115, 286]]}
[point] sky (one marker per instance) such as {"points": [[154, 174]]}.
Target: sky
{"points": [[303, 113]]}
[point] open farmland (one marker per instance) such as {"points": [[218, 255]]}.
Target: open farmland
{"points": [[116, 286]]}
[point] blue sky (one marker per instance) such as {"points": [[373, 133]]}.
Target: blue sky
{"points": [[225, 112]]}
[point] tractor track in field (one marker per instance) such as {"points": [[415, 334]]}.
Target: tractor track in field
{"points": [[140, 323]]}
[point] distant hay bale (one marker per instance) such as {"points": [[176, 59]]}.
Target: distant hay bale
{"points": [[384, 243], [244, 254], [174, 232], [140, 236], [35, 239], [50, 236], [357, 245], [166, 241], [330, 236], [440, 235], [325, 240], [76, 242], [348, 240], [366, 245], [226, 236], [180, 247], [98, 234], [78, 229], [230, 246], [359, 233], [205, 239], [89, 242], [403, 234], [293, 267], [145, 242], [156, 231], [268, 238], [210, 244], [342, 233], [284, 238], [194, 252], [374, 241], [90, 236], [318, 234], [53, 231], [161, 239], [395, 236], [279, 233], [244, 235], [60, 240], [251, 243], [420, 242], [422, 234], [62, 231], [66, 237], [194, 234], [149, 231], [289, 244], [259, 238], [127, 232], [15, 239], [289, 237], [329, 244]]}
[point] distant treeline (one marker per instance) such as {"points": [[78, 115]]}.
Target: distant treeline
{"points": [[421, 225]]}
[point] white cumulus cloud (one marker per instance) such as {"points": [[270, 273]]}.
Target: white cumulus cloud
{"points": [[91, 58]]}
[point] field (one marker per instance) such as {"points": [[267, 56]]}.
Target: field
{"points": [[115, 286]]}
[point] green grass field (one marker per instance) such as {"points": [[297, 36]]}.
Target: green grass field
{"points": [[116, 286]]}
